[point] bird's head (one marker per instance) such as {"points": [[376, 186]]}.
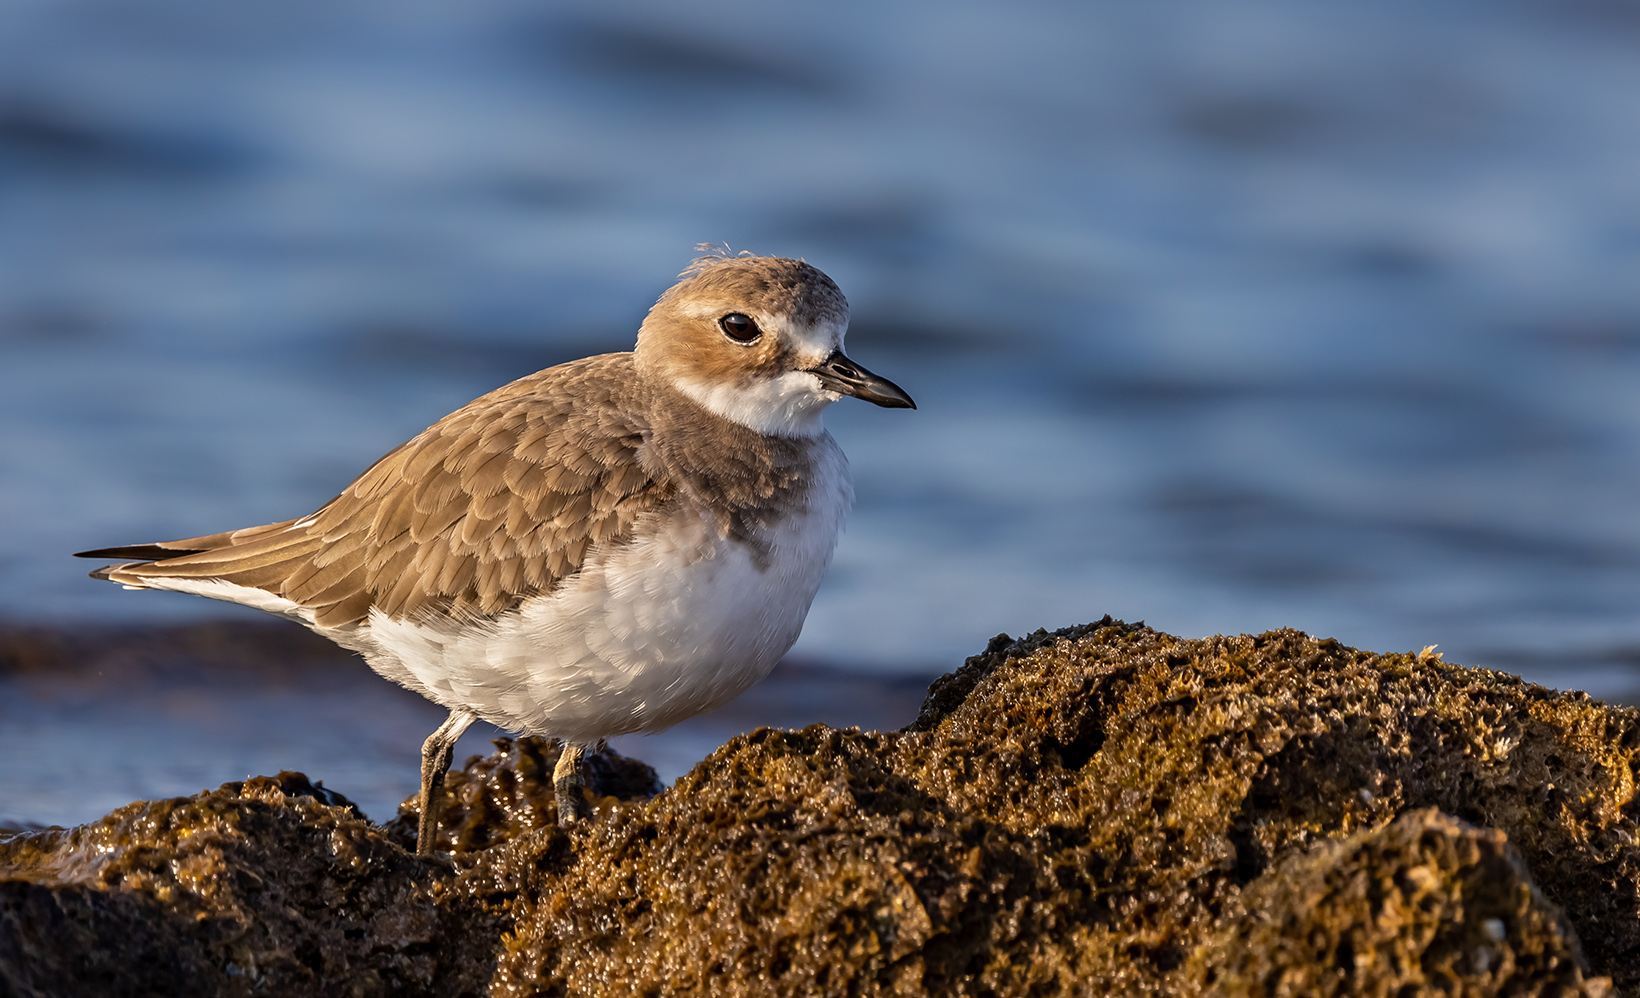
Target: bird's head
{"points": [[759, 341]]}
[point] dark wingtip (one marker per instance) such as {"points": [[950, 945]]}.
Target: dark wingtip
{"points": [[138, 552]]}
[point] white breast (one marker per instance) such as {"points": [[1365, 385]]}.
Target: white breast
{"points": [[677, 621]]}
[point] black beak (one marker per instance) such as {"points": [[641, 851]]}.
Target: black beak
{"points": [[839, 374]]}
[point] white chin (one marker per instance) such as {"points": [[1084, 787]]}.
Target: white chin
{"points": [[786, 406]]}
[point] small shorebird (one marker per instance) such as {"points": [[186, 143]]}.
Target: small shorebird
{"points": [[606, 546]]}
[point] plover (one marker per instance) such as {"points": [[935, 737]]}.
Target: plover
{"points": [[607, 546]]}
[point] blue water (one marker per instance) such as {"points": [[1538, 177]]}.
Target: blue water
{"points": [[1221, 316]]}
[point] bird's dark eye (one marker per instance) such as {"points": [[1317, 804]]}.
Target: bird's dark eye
{"points": [[739, 327]]}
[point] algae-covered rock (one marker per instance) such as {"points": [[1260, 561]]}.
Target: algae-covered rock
{"points": [[1424, 904], [270, 886], [499, 797], [1106, 810]]}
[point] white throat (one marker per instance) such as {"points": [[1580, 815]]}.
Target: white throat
{"points": [[787, 406]]}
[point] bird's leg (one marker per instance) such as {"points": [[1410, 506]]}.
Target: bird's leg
{"points": [[436, 753], [567, 781]]}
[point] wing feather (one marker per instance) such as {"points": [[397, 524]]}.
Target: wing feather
{"points": [[501, 500]]}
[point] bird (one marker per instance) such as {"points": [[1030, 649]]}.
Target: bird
{"points": [[606, 546]]}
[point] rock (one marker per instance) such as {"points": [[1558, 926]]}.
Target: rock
{"points": [[258, 887], [506, 794], [1425, 904], [1104, 810]]}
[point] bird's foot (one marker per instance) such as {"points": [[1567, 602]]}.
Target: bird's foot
{"points": [[436, 753], [568, 780]]}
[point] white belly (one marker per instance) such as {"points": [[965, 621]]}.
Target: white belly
{"points": [[676, 622]]}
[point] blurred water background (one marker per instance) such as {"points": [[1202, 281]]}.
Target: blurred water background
{"points": [[1221, 316]]}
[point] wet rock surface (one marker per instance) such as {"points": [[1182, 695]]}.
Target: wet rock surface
{"points": [[506, 794], [1425, 904], [258, 887], [1104, 810]]}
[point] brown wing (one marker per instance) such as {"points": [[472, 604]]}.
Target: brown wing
{"points": [[498, 501]]}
